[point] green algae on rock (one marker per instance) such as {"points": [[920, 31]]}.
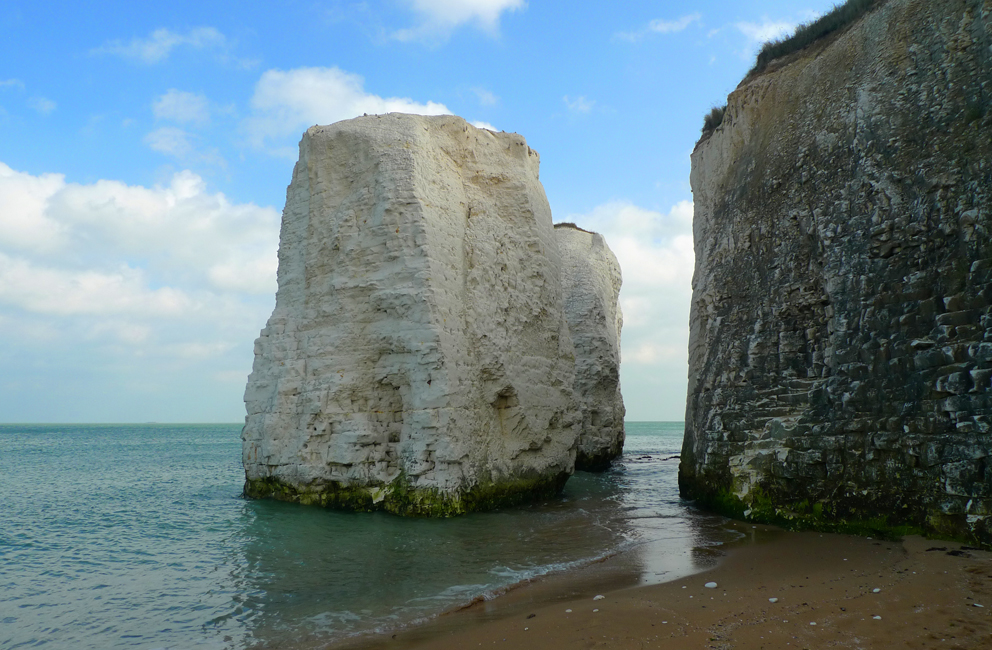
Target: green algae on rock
{"points": [[400, 498], [841, 323]]}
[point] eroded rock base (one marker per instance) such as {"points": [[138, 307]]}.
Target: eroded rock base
{"points": [[401, 499]]}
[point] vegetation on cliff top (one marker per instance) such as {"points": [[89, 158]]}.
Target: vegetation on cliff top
{"points": [[712, 120], [808, 33]]}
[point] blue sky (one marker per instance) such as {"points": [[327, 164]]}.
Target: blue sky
{"points": [[145, 151]]}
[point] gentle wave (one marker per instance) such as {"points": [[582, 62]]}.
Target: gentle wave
{"points": [[134, 536]]}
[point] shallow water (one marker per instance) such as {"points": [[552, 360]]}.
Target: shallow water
{"points": [[136, 536]]}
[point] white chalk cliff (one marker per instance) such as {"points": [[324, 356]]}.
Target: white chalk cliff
{"points": [[418, 358], [591, 276]]}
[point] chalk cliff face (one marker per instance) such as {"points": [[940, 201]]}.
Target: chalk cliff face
{"points": [[418, 358], [591, 277], [841, 329]]}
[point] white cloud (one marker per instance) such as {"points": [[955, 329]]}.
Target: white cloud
{"points": [[159, 44], [129, 333], [484, 125], [182, 107], [767, 30], [170, 140], [656, 257], [486, 98], [179, 232], [288, 102], [12, 83], [671, 26], [61, 292], [24, 221], [244, 272], [578, 104], [178, 143], [114, 294], [440, 17], [42, 104], [122, 302], [661, 26], [199, 350]]}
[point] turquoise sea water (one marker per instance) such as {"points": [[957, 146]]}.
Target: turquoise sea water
{"points": [[136, 536]]}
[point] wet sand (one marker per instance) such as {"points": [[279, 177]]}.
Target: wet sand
{"points": [[831, 590]]}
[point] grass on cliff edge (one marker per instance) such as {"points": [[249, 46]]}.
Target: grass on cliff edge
{"points": [[713, 119], [806, 34]]}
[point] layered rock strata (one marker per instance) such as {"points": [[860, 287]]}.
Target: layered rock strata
{"points": [[418, 358], [591, 277], [841, 331]]}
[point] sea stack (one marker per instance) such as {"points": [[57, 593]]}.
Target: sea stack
{"points": [[840, 349], [592, 280], [418, 358]]}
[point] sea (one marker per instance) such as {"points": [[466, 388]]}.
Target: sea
{"points": [[137, 536]]}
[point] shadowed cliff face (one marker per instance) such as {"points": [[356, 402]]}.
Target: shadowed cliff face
{"points": [[840, 347]]}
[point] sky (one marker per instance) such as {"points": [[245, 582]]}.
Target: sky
{"points": [[145, 150]]}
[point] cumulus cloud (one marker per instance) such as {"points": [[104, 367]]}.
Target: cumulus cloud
{"points": [[62, 292], [182, 107], [139, 291], [484, 125], [178, 232], [439, 17], [287, 102], [12, 83], [24, 222], [157, 47], [655, 252]]}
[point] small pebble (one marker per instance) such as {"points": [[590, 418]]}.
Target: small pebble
{"points": [[875, 590], [977, 605], [595, 610], [710, 585], [664, 622], [877, 618], [526, 628], [812, 623], [568, 611], [773, 600], [600, 597]]}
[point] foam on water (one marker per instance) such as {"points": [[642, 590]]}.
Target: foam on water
{"points": [[136, 536]]}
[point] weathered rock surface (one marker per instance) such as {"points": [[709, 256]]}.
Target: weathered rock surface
{"points": [[418, 358], [592, 279], [841, 329]]}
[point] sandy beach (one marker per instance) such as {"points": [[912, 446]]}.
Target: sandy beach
{"points": [[777, 589]]}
